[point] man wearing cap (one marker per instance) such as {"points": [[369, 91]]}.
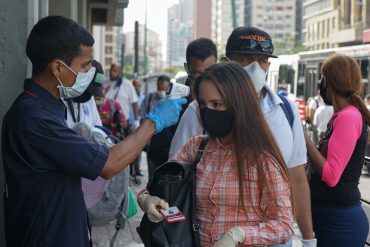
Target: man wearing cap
{"points": [[251, 48]]}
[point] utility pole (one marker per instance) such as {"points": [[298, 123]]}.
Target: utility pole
{"points": [[233, 10], [145, 41], [136, 47]]}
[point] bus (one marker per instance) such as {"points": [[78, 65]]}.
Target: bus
{"points": [[299, 74]]}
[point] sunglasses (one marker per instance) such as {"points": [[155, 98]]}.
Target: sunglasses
{"points": [[252, 44]]}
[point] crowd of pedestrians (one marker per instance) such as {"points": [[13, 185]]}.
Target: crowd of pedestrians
{"points": [[260, 171]]}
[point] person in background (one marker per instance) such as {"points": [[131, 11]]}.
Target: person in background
{"points": [[112, 116], [338, 217], [315, 103], [151, 99], [122, 90], [367, 101], [321, 119], [44, 160], [200, 54], [243, 194], [157, 150]]}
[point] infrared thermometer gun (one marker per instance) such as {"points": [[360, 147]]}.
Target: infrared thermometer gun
{"points": [[177, 90]]}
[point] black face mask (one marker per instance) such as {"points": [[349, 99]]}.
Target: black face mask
{"points": [[217, 123], [323, 93]]}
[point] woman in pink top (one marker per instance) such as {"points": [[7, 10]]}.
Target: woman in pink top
{"points": [[338, 217], [243, 194]]}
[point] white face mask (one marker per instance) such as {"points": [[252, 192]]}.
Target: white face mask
{"points": [[257, 74], [82, 82], [161, 94]]}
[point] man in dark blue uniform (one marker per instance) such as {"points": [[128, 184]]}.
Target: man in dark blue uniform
{"points": [[44, 159]]}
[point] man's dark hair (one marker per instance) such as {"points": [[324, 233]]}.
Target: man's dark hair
{"points": [[55, 37], [163, 78], [201, 49]]}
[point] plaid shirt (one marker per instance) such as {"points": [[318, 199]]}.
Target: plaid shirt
{"points": [[218, 196]]}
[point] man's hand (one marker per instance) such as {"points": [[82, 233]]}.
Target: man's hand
{"points": [[231, 238], [166, 113]]}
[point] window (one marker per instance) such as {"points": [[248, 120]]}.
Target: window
{"points": [[108, 50], [108, 61], [109, 28], [108, 38]]}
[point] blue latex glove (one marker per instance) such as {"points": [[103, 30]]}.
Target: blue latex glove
{"points": [[166, 113]]}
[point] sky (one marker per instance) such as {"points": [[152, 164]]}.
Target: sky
{"points": [[156, 17]]}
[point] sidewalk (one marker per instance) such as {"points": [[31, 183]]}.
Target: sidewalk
{"points": [[128, 236]]}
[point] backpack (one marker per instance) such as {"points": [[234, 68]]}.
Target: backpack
{"points": [[287, 108], [116, 120], [174, 182]]}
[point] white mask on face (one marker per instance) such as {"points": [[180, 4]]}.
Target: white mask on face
{"points": [[161, 94], [82, 82], [257, 74]]}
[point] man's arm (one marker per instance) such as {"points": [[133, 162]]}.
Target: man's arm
{"points": [[301, 192], [123, 153], [165, 114]]}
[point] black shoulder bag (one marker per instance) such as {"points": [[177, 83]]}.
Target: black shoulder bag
{"points": [[176, 183]]}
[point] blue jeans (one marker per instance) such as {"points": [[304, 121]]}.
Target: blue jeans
{"points": [[340, 227], [287, 244]]}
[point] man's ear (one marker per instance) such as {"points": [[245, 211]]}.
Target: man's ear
{"points": [[55, 67]]}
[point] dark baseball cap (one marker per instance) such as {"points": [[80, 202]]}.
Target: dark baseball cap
{"points": [[96, 86], [250, 40]]}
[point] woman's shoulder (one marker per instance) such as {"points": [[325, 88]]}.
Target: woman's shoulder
{"points": [[349, 113]]}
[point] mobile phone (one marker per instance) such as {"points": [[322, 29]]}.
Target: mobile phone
{"points": [[172, 214]]}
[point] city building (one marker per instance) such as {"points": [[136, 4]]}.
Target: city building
{"points": [[277, 17], [334, 23], [154, 50], [179, 31], [107, 47], [202, 19]]}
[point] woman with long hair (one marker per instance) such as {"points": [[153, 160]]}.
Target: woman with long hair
{"points": [[338, 217], [242, 188]]}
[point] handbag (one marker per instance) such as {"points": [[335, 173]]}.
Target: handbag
{"points": [[174, 181]]}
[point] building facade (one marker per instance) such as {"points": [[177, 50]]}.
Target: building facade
{"points": [[179, 31], [334, 23], [202, 19], [108, 45], [154, 49], [277, 17]]}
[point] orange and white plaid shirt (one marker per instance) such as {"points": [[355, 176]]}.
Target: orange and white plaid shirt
{"points": [[217, 191]]}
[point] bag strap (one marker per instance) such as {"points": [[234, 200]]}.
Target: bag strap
{"points": [[196, 226], [287, 110], [72, 110], [118, 86]]}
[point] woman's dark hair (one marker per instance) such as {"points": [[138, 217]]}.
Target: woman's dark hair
{"points": [[253, 141], [343, 74], [55, 37], [201, 49]]}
